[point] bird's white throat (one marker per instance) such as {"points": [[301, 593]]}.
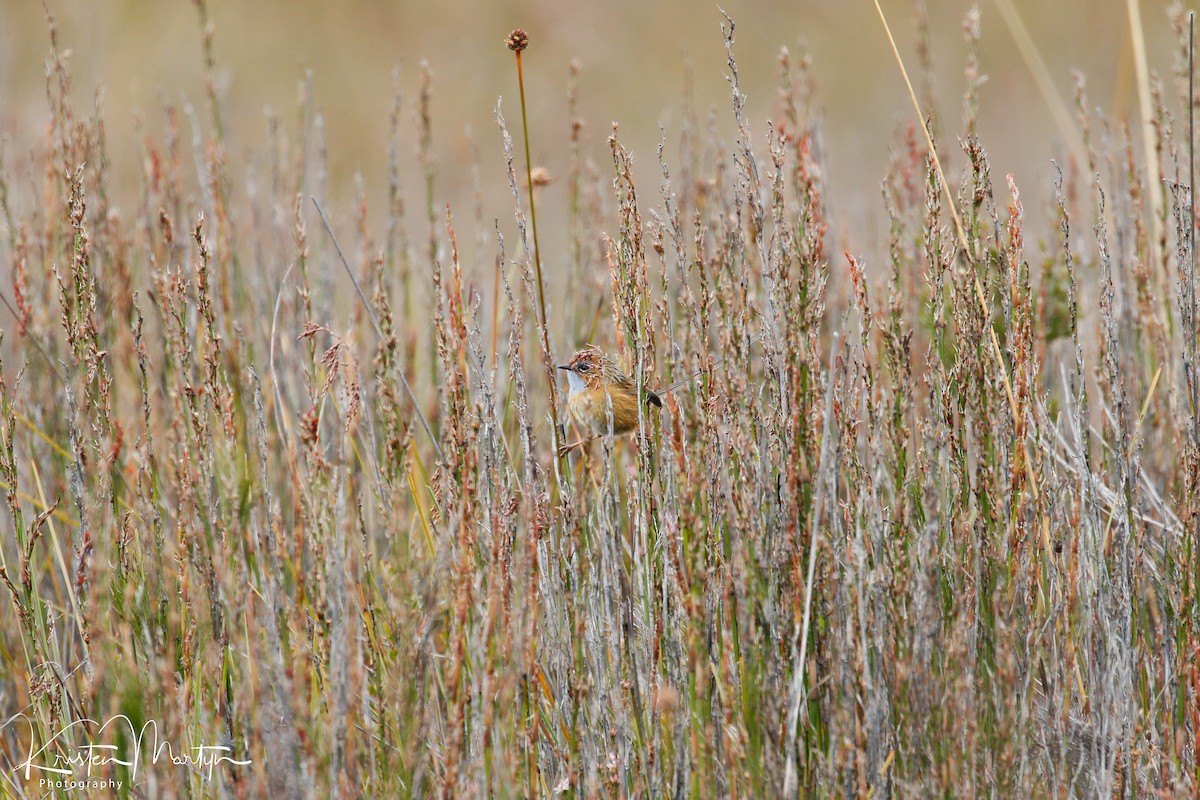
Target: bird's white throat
{"points": [[575, 382]]}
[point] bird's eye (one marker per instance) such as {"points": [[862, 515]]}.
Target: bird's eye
{"points": [[584, 367]]}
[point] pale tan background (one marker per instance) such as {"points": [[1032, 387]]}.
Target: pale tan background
{"points": [[633, 54]]}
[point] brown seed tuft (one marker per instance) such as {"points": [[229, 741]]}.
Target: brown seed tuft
{"points": [[517, 41]]}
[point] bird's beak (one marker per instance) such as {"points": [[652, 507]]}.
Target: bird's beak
{"points": [[567, 367]]}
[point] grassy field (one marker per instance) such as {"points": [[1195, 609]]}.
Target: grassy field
{"points": [[916, 520]]}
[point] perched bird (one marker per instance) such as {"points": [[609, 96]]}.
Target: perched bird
{"points": [[595, 381]]}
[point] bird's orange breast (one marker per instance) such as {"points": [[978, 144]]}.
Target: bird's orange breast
{"points": [[589, 408]]}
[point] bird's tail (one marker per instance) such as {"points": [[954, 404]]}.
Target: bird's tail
{"points": [[684, 381]]}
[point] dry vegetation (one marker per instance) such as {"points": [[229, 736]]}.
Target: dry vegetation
{"points": [[939, 539]]}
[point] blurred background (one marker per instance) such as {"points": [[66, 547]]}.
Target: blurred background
{"points": [[633, 56]]}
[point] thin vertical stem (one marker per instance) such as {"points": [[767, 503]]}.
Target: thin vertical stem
{"points": [[537, 266], [1193, 380], [1154, 183], [1192, 220]]}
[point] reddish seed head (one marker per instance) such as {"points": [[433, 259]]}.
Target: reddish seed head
{"points": [[517, 41]]}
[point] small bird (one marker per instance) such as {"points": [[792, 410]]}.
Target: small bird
{"points": [[595, 381]]}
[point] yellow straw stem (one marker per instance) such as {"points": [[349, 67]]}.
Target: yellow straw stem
{"points": [[962, 237]]}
